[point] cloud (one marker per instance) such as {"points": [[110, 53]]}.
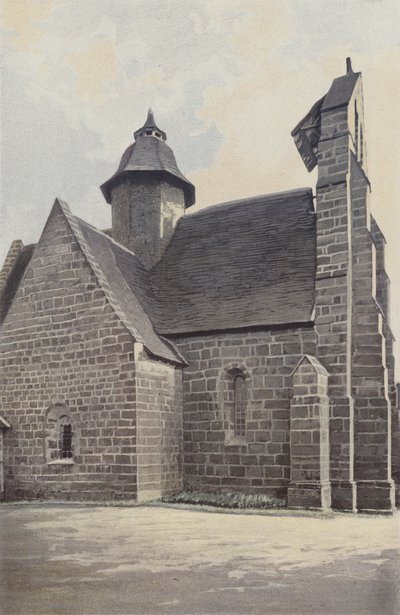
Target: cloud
{"points": [[96, 68], [25, 20]]}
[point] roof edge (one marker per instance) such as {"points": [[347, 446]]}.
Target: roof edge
{"points": [[187, 186], [326, 105], [241, 329], [104, 285], [273, 196]]}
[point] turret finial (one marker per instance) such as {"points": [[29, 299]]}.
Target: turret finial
{"points": [[150, 128], [150, 118]]}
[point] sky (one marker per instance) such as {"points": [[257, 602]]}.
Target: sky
{"points": [[227, 81]]}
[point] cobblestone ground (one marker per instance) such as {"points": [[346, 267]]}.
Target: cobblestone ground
{"points": [[158, 560]]}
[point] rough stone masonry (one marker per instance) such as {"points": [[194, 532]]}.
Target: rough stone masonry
{"points": [[243, 348]]}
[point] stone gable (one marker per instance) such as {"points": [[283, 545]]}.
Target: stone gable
{"points": [[61, 342]]}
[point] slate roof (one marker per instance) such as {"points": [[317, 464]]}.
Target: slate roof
{"points": [[150, 154], [307, 133], [108, 257], [246, 263], [340, 91], [241, 264], [14, 279]]}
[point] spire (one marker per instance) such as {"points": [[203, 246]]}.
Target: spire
{"points": [[150, 128], [349, 68], [150, 122]]}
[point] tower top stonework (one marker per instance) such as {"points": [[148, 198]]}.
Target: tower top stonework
{"points": [[345, 92]]}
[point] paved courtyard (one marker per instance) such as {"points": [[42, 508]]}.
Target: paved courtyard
{"points": [[158, 560]]}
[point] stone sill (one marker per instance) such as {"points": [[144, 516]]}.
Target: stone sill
{"points": [[61, 462]]}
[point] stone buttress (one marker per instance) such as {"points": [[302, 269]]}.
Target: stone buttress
{"points": [[352, 327]]}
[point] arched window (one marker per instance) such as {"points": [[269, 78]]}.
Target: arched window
{"points": [[65, 446], [235, 402], [61, 443], [239, 402]]}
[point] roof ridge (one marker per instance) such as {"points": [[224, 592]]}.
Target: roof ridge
{"points": [[249, 200]]}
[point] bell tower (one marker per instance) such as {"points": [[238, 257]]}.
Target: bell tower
{"points": [[351, 318], [148, 194]]}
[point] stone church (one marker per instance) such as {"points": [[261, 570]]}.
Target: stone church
{"points": [[243, 348]]}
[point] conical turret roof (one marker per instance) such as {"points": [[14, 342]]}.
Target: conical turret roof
{"points": [[150, 153]]}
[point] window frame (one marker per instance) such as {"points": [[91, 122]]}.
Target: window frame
{"points": [[239, 406], [227, 403], [56, 419]]}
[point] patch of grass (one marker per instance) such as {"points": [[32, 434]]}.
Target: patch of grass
{"points": [[227, 500]]}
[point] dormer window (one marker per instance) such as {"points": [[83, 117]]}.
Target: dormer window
{"points": [[148, 133], [158, 135]]}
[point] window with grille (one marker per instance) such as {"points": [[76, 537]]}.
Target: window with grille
{"points": [[66, 441], [239, 419], [61, 435]]}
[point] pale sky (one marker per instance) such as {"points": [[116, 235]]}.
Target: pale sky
{"points": [[227, 80]]}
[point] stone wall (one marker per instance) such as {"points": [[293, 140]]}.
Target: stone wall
{"points": [[372, 411], [159, 428], [383, 299], [349, 325], [333, 318], [1, 466], [61, 343], [309, 437], [145, 210], [214, 460]]}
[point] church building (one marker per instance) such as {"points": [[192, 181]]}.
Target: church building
{"points": [[243, 348]]}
